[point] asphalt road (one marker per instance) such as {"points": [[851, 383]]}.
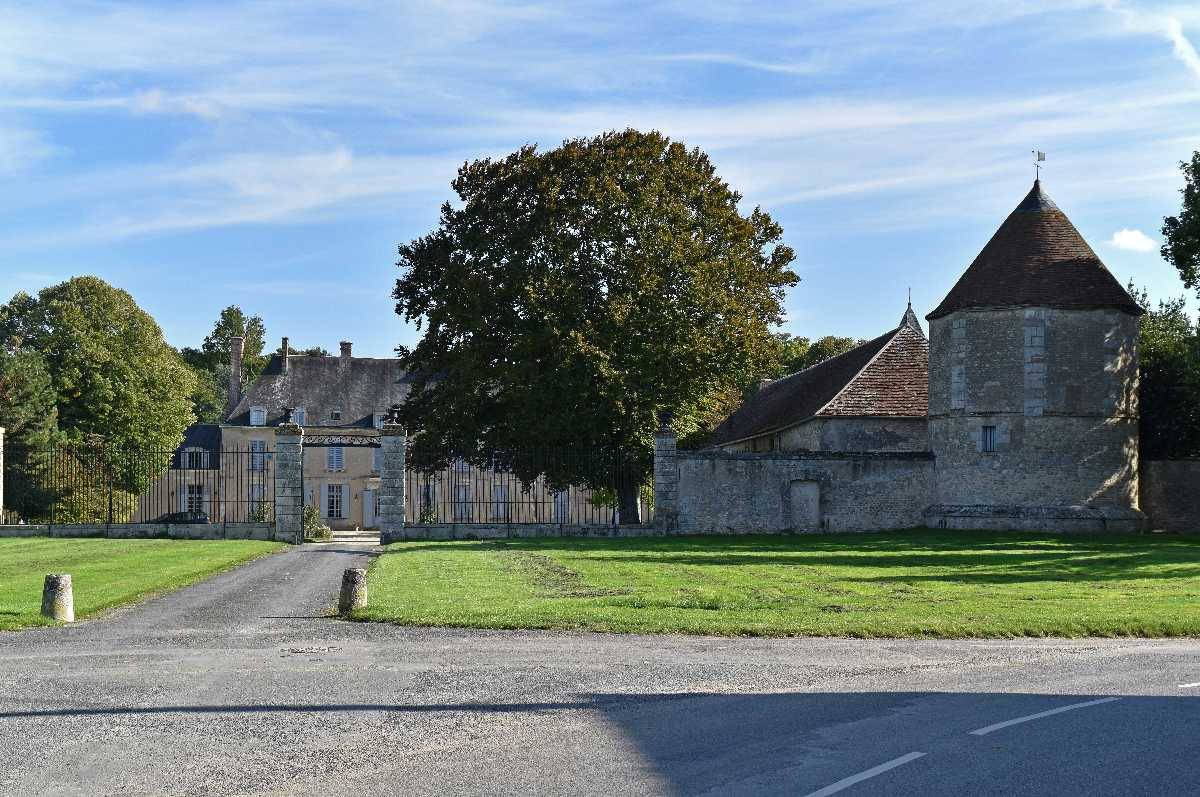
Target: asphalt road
{"points": [[241, 685]]}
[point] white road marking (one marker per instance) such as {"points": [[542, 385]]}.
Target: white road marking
{"points": [[1040, 714], [1189, 686], [845, 783]]}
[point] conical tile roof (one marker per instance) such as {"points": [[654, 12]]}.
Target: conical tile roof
{"points": [[1037, 259]]}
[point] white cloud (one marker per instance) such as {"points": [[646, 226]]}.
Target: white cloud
{"points": [[1132, 241], [20, 149]]}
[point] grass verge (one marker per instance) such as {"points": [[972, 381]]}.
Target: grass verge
{"points": [[107, 573], [894, 584]]}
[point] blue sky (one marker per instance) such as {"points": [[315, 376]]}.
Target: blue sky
{"points": [[273, 154]]}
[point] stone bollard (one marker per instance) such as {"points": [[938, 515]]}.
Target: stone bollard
{"points": [[57, 601], [354, 590]]}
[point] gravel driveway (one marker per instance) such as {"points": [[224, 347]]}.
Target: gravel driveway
{"points": [[242, 685]]}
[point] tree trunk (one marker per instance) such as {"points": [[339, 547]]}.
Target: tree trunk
{"points": [[628, 509]]}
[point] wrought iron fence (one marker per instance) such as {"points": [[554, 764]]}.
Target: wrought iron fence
{"points": [[576, 487], [96, 484]]}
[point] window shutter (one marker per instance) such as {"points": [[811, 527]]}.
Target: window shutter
{"points": [[183, 496], [324, 500]]}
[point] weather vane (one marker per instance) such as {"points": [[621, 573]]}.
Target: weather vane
{"points": [[1038, 157]]}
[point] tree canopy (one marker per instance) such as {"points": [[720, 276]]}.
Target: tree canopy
{"points": [[112, 374], [1181, 234], [796, 354], [210, 363], [577, 294], [1169, 393]]}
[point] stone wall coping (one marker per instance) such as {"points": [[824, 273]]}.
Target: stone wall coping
{"points": [[848, 456]]}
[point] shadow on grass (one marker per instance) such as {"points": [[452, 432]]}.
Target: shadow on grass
{"points": [[968, 557]]}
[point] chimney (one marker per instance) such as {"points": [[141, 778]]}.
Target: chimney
{"points": [[346, 345], [284, 356], [236, 345]]}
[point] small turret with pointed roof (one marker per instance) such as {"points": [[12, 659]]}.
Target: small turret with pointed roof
{"points": [[1037, 259]]}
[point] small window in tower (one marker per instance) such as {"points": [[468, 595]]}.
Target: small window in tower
{"points": [[987, 439]]}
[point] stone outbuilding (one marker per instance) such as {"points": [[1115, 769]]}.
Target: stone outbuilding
{"points": [[1033, 416], [1022, 405], [874, 397]]}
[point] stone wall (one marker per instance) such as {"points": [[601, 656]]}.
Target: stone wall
{"points": [[501, 531], [1171, 494], [722, 492], [148, 531], [857, 434], [1059, 389]]}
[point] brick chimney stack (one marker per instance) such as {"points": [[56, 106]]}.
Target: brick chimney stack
{"points": [[236, 345], [346, 347], [284, 355]]}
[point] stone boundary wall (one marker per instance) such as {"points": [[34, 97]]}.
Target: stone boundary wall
{"points": [[504, 531], [153, 531], [1170, 494], [723, 492]]}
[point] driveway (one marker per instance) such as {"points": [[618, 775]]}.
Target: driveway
{"points": [[242, 685]]}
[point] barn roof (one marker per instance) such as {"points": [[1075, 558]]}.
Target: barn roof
{"points": [[884, 377]]}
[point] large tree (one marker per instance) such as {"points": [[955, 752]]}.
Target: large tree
{"points": [[799, 353], [29, 419], [1169, 393], [210, 363], [577, 295], [1181, 234], [114, 377]]}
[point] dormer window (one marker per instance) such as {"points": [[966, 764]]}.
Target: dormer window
{"points": [[335, 415], [258, 416], [379, 418], [195, 459], [298, 416]]}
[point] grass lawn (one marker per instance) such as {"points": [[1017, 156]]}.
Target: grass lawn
{"points": [[894, 584], [108, 573]]}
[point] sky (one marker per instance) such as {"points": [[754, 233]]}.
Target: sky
{"points": [[274, 154]]}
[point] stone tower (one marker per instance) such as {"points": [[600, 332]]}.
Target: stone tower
{"points": [[1033, 415]]}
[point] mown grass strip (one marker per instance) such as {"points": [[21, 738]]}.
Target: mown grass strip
{"points": [[895, 584]]}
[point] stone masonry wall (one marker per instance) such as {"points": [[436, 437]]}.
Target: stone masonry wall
{"points": [[857, 434], [146, 531], [724, 492], [1059, 389], [1171, 494]]}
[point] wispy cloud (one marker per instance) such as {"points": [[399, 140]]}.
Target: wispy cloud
{"points": [[1132, 241]]}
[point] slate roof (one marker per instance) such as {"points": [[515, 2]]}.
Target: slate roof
{"points": [[358, 387], [206, 436], [884, 377], [1037, 259]]}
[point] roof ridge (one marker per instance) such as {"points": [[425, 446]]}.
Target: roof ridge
{"points": [[835, 358], [891, 339]]}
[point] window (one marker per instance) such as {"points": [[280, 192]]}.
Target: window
{"points": [[298, 416], [195, 498], [334, 500], [258, 455], [379, 417], [335, 458], [256, 494], [195, 459], [462, 503], [501, 508], [376, 459], [258, 416], [987, 439], [562, 505], [335, 415]]}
